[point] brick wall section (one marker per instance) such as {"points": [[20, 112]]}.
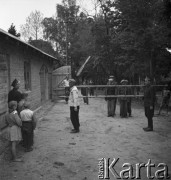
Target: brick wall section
{"points": [[18, 53]]}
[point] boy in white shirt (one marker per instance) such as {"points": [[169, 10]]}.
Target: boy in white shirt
{"points": [[28, 125], [74, 106]]}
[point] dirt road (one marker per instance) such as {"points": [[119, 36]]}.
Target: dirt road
{"points": [[59, 155]]}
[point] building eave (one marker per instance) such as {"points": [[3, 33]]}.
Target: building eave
{"points": [[8, 35]]}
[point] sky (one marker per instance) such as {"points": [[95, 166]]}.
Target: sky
{"points": [[16, 11]]}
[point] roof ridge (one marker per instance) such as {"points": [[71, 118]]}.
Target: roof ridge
{"points": [[16, 38]]}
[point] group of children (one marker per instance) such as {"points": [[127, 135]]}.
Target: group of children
{"points": [[21, 126]]}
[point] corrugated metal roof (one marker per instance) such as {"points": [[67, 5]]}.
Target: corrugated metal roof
{"points": [[17, 39]]}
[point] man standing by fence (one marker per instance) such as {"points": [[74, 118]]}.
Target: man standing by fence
{"points": [[111, 101], [123, 100], [149, 101], [129, 99]]}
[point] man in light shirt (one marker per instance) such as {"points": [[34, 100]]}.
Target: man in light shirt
{"points": [[74, 106]]}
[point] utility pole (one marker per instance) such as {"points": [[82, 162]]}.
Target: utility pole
{"points": [[107, 34], [70, 4], [67, 42], [105, 17], [151, 64]]}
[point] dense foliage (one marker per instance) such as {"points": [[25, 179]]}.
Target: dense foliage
{"points": [[128, 39], [138, 35]]}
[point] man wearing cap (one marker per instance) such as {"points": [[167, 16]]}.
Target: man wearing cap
{"points": [[74, 106], [149, 100], [15, 94], [129, 99], [123, 100], [111, 101]]}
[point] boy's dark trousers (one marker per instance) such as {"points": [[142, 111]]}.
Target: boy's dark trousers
{"points": [[129, 107], [115, 100], [149, 113], [27, 133], [74, 115]]}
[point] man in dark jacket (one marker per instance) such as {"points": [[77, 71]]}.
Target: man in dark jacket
{"points": [[15, 94], [129, 100], [149, 101], [111, 101]]}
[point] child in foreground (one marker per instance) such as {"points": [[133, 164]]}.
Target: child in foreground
{"points": [[28, 125], [14, 128]]}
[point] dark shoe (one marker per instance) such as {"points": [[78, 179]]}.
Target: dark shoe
{"points": [[75, 131], [29, 149], [147, 129], [113, 115], [17, 160]]}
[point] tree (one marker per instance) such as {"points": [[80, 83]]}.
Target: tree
{"points": [[126, 38], [94, 4], [70, 32], [54, 32], [46, 47], [13, 31], [43, 45], [33, 27], [138, 34]]}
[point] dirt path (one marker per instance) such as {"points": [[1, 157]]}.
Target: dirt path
{"points": [[59, 155]]}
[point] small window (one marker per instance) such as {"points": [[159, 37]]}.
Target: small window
{"points": [[27, 75]]}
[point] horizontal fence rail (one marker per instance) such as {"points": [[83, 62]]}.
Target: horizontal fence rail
{"points": [[117, 94], [105, 86], [101, 96]]}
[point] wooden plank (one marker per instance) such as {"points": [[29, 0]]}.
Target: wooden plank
{"points": [[101, 86], [117, 96], [60, 74]]}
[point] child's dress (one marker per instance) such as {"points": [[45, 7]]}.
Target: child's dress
{"points": [[14, 126]]}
